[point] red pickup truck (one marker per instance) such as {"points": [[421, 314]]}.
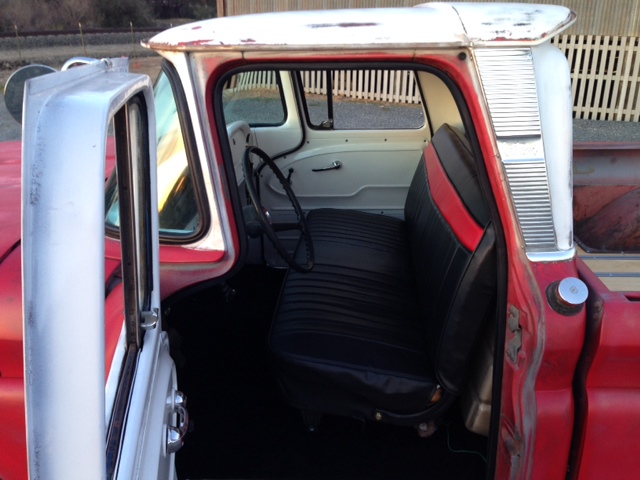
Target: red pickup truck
{"points": [[360, 241]]}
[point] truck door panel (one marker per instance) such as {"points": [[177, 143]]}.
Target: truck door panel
{"points": [[118, 428], [359, 151]]}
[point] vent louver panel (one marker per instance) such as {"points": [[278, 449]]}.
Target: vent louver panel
{"points": [[530, 190], [510, 90]]}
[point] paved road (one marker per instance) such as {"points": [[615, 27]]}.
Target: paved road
{"points": [[605, 131]]}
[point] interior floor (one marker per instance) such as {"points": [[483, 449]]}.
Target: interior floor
{"points": [[242, 428]]}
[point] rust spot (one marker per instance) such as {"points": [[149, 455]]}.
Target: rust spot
{"points": [[195, 43], [614, 228], [248, 40], [342, 25], [198, 27]]}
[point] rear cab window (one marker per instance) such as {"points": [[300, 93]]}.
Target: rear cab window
{"points": [[362, 99]]}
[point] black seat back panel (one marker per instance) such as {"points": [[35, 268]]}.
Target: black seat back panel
{"points": [[454, 264], [456, 157], [445, 197]]}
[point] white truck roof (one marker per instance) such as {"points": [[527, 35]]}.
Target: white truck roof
{"points": [[429, 25]]}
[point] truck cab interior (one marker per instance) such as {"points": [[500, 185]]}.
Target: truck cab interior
{"points": [[360, 317]]}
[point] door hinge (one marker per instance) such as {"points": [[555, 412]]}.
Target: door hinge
{"points": [[514, 445], [175, 435], [515, 343], [149, 319]]}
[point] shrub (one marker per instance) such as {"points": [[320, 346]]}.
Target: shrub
{"points": [[199, 10], [119, 14], [31, 15], [34, 15]]}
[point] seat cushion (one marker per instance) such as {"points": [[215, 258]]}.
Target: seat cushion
{"points": [[355, 321], [361, 241], [390, 313]]}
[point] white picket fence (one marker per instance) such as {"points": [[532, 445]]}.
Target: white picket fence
{"points": [[251, 80], [395, 86], [605, 72], [379, 85]]}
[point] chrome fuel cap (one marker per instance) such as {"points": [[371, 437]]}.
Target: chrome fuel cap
{"points": [[572, 291], [567, 296]]}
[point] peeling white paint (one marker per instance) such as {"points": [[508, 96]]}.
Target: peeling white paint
{"points": [[431, 25], [512, 23]]}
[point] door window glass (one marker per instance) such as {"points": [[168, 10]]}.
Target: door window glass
{"points": [[177, 203], [362, 99]]}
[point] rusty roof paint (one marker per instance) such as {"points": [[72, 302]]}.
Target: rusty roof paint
{"points": [[430, 25], [512, 22], [342, 25]]}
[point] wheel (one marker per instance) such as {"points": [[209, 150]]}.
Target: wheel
{"points": [[268, 227]]}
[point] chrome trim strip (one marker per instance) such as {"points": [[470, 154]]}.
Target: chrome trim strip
{"points": [[617, 275], [509, 84], [530, 193], [609, 256], [510, 89], [559, 256]]}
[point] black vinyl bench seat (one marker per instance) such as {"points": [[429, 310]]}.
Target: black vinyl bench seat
{"points": [[385, 324]]}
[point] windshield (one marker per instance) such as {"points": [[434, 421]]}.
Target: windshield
{"points": [[177, 206]]}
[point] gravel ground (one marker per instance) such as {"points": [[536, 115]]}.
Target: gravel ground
{"points": [[55, 50], [605, 131]]}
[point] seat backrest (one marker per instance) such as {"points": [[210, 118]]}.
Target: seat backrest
{"points": [[453, 251]]}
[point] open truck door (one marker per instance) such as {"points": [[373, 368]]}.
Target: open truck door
{"points": [[94, 408]]}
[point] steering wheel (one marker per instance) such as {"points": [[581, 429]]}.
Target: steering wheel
{"points": [[264, 217]]}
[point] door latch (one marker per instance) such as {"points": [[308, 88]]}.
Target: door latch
{"points": [[337, 164], [175, 435]]}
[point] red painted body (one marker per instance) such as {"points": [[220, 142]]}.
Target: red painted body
{"points": [[11, 300], [569, 382], [12, 421], [452, 208], [609, 381], [180, 267]]}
